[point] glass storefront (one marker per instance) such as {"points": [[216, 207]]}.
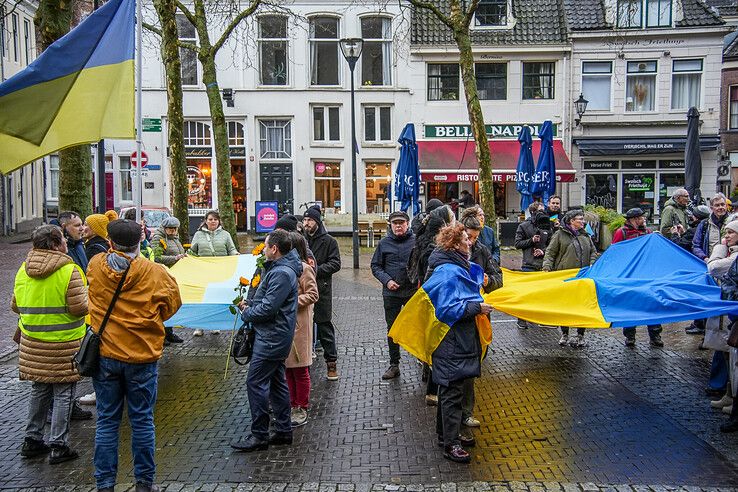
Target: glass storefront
{"points": [[200, 184], [328, 185], [378, 175]]}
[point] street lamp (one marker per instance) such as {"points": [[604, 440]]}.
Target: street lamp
{"points": [[351, 49], [581, 106]]}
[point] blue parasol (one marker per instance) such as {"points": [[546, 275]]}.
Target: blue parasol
{"points": [[525, 168], [544, 180], [407, 174]]}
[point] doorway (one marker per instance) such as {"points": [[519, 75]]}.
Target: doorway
{"points": [[276, 185]]}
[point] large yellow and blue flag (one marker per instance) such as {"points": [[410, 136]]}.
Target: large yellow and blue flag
{"points": [[79, 90], [436, 307]]}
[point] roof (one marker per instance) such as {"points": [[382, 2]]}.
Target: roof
{"points": [[724, 7], [587, 15], [537, 22]]}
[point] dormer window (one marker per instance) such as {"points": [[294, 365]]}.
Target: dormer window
{"points": [[491, 13], [634, 14]]}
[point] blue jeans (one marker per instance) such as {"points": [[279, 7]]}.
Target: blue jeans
{"points": [[266, 382], [653, 331], [137, 384], [719, 371]]}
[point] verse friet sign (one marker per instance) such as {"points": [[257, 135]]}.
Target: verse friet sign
{"points": [[493, 131], [151, 124]]}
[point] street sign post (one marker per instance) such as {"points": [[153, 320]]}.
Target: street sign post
{"points": [[151, 124], [144, 159]]}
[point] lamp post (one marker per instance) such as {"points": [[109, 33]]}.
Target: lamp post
{"points": [[351, 50], [581, 106]]}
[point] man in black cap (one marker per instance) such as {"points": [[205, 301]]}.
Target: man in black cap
{"points": [[635, 226], [389, 266], [328, 261]]}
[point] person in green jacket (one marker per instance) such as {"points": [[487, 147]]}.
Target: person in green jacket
{"points": [[168, 250], [570, 247], [212, 240], [674, 220]]}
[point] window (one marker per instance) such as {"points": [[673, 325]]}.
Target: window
{"points": [[602, 190], [328, 184], [733, 122], [686, 84], [658, 13], [629, 13], [597, 84], [668, 184], [640, 87], [324, 56], [538, 80], [443, 82], [188, 58], [16, 48], [275, 138], [326, 124], [53, 177], [27, 40], [377, 124], [3, 41], [491, 13], [196, 134], [638, 191], [235, 134], [491, 80], [376, 54], [378, 192], [126, 183], [273, 50]]}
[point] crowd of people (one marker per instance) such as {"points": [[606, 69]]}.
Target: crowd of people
{"points": [[115, 271]]}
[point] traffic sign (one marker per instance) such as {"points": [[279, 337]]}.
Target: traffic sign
{"points": [[144, 159], [151, 124]]}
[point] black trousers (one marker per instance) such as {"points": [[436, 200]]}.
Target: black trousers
{"points": [[392, 308], [448, 413], [327, 337]]}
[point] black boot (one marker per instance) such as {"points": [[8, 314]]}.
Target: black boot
{"points": [[33, 448], [170, 336], [60, 454]]}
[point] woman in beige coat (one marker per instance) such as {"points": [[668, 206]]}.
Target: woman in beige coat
{"points": [[300, 358]]}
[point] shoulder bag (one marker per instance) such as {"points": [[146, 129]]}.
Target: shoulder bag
{"points": [[243, 344], [87, 359]]}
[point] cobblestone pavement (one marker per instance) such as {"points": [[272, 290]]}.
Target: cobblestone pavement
{"points": [[553, 418]]}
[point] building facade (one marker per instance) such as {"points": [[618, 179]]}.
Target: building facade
{"points": [[22, 206]]}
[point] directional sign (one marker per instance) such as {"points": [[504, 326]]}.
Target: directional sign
{"points": [[144, 159], [151, 124]]}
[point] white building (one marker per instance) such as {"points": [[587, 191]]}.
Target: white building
{"points": [[21, 192]]}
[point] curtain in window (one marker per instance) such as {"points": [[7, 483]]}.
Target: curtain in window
{"points": [[313, 63], [641, 90], [734, 108], [685, 90], [387, 52], [597, 91]]}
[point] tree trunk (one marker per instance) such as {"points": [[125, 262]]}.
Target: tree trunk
{"points": [[166, 10], [476, 119], [53, 19]]}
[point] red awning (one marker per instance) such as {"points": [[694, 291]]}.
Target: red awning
{"points": [[455, 160]]}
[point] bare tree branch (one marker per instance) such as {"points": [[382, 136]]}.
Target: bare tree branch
{"points": [[12, 10], [421, 4], [152, 28], [234, 23], [187, 13], [473, 4]]}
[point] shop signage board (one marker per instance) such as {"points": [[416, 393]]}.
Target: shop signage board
{"points": [[151, 124], [639, 164], [671, 164], [638, 183], [497, 177], [601, 165], [198, 152], [267, 214], [493, 131]]}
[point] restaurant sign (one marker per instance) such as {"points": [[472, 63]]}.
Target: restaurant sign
{"points": [[493, 131], [497, 177]]}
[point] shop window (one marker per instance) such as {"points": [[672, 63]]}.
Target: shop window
{"points": [[597, 84], [238, 188], [377, 124], [196, 134], [378, 175], [275, 139], [668, 184], [328, 184], [443, 82], [602, 190], [376, 54], [640, 87], [491, 13], [638, 191], [199, 183], [53, 188], [326, 124], [125, 182], [491, 80], [538, 80], [273, 50], [324, 57], [733, 123], [188, 58], [686, 84]]}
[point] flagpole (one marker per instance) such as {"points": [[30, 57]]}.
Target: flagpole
{"points": [[139, 106]]}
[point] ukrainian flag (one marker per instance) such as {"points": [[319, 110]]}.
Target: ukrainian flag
{"points": [[78, 91], [436, 306]]}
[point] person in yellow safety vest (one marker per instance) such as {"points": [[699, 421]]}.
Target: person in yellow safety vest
{"points": [[50, 295]]}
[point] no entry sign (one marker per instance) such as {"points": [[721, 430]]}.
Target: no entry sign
{"points": [[144, 159]]}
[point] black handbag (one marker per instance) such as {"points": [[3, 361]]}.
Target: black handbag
{"points": [[243, 344], [87, 358]]}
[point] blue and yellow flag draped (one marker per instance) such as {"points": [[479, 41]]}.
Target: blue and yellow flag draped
{"points": [[79, 90], [436, 306], [206, 286], [643, 281]]}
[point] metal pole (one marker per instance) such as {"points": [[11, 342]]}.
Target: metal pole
{"points": [[101, 202], [354, 189], [138, 189]]}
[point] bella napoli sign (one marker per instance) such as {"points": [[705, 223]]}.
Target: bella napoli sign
{"points": [[464, 131]]}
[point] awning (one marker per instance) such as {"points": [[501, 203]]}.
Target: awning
{"points": [[641, 145], [455, 160]]}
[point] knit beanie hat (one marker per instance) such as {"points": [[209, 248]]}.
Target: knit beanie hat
{"points": [[313, 213], [125, 232], [287, 223], [98, 223], [170, 223], [733, 226], [433, 204]]}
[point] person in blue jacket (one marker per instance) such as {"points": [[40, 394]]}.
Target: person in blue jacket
{"points": [[272, 313]]}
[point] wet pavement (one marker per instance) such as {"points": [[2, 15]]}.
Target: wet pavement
{"points": [[553, 418]]}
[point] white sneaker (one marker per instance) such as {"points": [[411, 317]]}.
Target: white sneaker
{"points": [[471, 422], [215, 332], [299, 417], [88, 399], [728, 409], [723, 402], [564, 340], [197, 333], [578, 341]]}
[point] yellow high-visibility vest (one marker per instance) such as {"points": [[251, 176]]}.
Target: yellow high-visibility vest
{"points": [[42, 303]]}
